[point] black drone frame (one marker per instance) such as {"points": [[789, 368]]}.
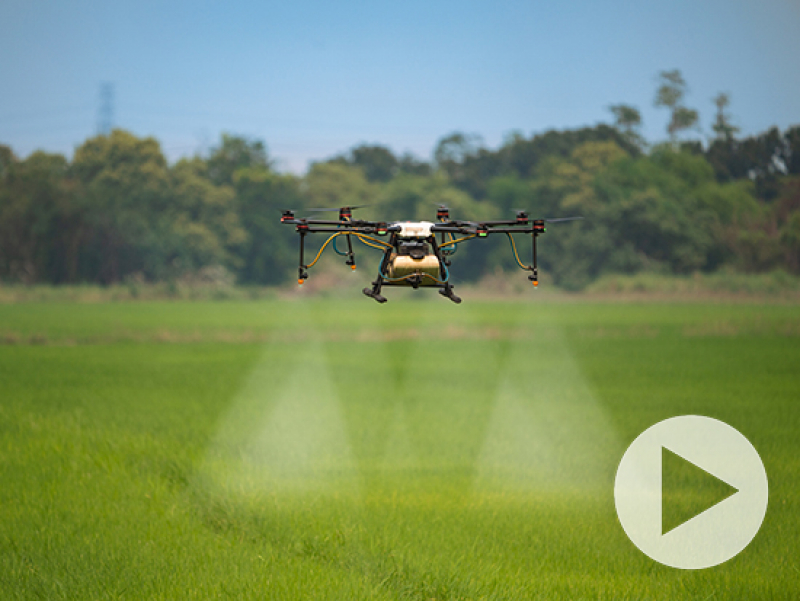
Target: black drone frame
{"points": [[373, 232]]}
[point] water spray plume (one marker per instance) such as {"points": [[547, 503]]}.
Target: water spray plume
{"points": [[549, 438], [284, 432]]}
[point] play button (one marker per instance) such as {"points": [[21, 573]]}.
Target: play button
{"points": [[687, 490], [691, 492]]}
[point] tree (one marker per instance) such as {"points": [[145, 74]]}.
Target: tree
{"points": [[124, 189], [670, 94], [787, 210], [7, 159], [377, 162], [333, 185], [566, 187], [33, 197], [233, 153], [453, 151], [628, 120], [201, 224], [723, 128], [523, 156], [412, 165], [792, 158], [269, 253]]}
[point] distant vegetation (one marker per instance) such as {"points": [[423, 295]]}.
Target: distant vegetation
{"points": [[118, 212]]}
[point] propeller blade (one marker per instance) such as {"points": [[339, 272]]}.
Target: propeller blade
{"points": [[558, 219], [337, 208]]}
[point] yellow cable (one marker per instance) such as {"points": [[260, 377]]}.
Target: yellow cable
{"points": [[370, 244], [457, 241], [322, 248], [362, 237], [359, 236], [516, 256], [413, 275]]}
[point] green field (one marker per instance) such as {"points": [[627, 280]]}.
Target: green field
{"points": [[334, 449]]}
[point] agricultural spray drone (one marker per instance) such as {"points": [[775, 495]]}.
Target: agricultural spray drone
{"points": [[412, 256]]}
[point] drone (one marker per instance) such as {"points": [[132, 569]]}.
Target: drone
{"points": [[412, 255]]}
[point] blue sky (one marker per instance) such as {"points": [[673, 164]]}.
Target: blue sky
{"points": [[313, 79]]}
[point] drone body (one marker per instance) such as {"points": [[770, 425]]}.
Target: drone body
{"points": [[412, 255]]}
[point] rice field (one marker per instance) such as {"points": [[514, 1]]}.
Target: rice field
{"points": [[326, 448]]}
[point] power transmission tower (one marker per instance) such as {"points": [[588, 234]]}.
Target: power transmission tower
{"points": [[105, 111]]}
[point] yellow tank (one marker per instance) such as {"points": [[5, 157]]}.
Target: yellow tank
{"points": [[403, 265]]}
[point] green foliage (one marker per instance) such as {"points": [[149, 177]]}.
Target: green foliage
{"points": [[377, 162], [670, 94], [333, 185], [118, 212], [232, 154], [416, 197], [723, 128], [628, 120], [37, 204], [661, 212], [471, 167], [269, 252], [204, 220], [124, 188]]}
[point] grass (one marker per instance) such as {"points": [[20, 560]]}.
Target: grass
{"points": [[325, 449], [725, 282]]}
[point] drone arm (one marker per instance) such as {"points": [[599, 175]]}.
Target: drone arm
{"points": [[453, 229], [347, 229], [507, 222], [329, 222]]}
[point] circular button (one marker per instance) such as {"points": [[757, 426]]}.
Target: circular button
{"points": [[712, 458]]}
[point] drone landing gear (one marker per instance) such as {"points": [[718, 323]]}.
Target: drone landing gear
{"points": [[375, 294], [447, 292]]}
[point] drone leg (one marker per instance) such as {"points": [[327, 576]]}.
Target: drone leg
{"points": [[448, 293], [446, 289], [351, 258], [375, 292], [302, 274], [534, 276], [444, 259]]}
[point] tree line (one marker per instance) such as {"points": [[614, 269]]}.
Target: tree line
{"points": [[119, 210]]}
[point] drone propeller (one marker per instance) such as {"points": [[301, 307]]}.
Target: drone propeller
{"points": [[318, 209], [559, 219], [524, 214]]}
